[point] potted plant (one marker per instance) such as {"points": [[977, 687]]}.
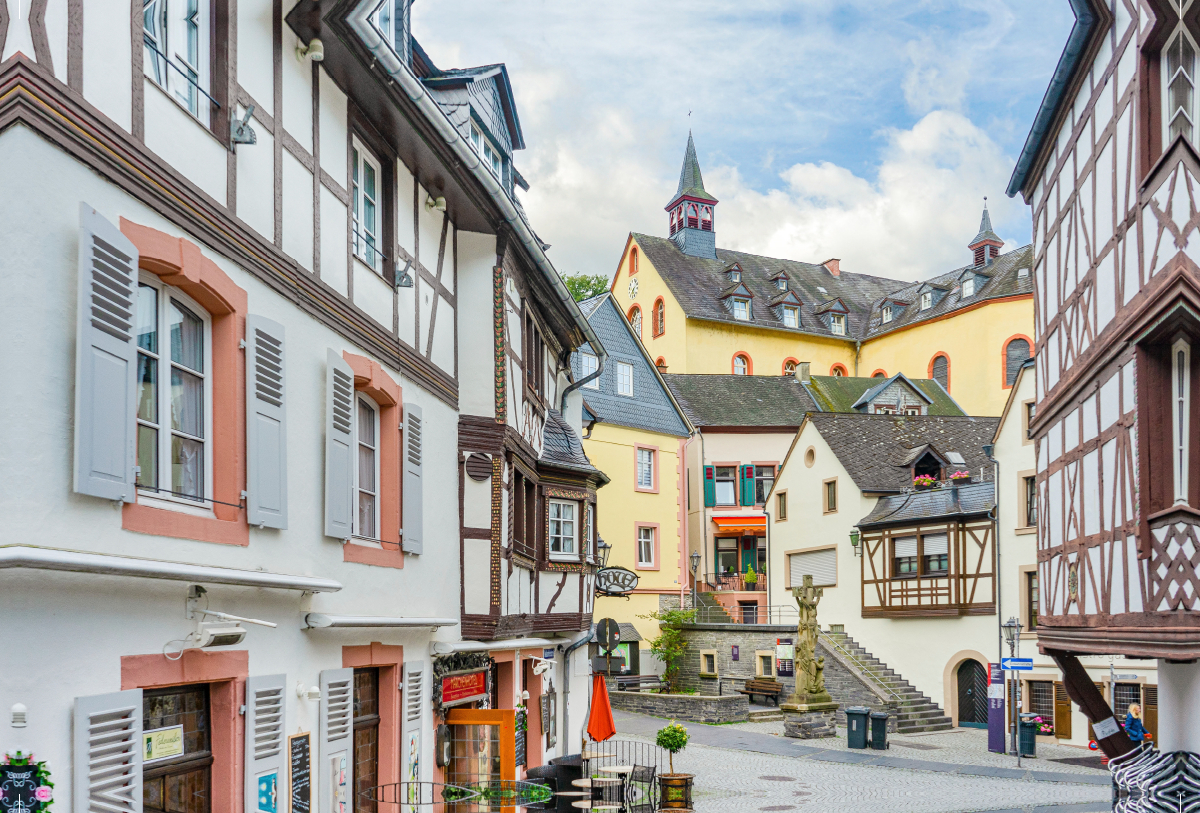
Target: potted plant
{"points": [[675, 789], [1044, 729], [961, 477], [923, 481], [751, 578]]}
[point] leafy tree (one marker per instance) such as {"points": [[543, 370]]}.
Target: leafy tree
{"points": [[672, 738], [585, 286], [670, 645]]}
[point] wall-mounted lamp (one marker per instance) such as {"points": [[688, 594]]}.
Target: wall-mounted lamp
{"points": [[404, 279], [856, 541], [311, 693], [432, 203], [20, 715], [315, 50], [603, 549]]}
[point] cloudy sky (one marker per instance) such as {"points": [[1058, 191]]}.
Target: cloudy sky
{"points": [[868, 130]]}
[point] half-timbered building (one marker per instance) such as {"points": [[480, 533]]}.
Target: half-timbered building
{"points": [[1110, 171], [293, 354]]}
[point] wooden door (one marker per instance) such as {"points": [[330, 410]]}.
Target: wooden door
{"points": [[972, 694]]}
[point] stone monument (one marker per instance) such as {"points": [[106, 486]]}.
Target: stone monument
{"points": [[809, 712]]}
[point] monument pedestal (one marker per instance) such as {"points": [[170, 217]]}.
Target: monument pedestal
{"points": [[809, 721]]}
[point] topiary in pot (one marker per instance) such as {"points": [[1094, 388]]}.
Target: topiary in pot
{"points": [[675, 789]]}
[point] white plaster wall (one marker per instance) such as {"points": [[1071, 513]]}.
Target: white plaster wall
{"points": [[256, 182], [334, 246], [185, 144], [56, 34], [333, 121], [298, 211], [442, 351], [255, 62], [405, 224], [476, 588], [429, 223], [373, 295], [477, 503], [19, 37], [297, 90], [425, 294]]}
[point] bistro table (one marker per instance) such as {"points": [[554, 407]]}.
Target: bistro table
{"points": [[623, 772]]}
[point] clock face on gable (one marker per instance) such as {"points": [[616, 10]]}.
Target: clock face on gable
{"points": [[633, 288]]}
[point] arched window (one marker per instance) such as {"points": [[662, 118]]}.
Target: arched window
{"points": [[635, 319], [742, 365], [789, 367], [658, 318], [879, 374], [838, 370], [939, 370], [693, 216], [1016, 352], [706, 218], [633, 261], [674, 220]]}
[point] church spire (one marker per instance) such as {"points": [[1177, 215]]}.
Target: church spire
{"points": [[987, 244], [691, 209]]}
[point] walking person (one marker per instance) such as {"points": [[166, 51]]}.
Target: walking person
{"points": [[1133, 724]]}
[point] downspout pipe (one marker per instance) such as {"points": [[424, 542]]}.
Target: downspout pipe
{"points": [[583, 638], [360, 23], [994, 515]]}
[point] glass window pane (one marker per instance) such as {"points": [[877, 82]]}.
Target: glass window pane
{"points": [[187, 402], [366, 469], [147, 453], [366, 514], [187, 467], [147, 389], [366, 423], [147, 319], [187, 337]]}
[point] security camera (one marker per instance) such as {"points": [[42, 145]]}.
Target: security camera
{"points": [[542, 668], [217, 633]]}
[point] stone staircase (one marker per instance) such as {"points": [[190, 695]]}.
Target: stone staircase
{"points": [[914, 711], [711, 611]]}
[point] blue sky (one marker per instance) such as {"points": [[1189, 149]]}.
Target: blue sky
{"points": [[868, 130]]}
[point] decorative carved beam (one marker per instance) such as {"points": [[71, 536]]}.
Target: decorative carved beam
{"points": [[1083, 691]]}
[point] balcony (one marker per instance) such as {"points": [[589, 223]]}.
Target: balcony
{"points": [[732, 583]]}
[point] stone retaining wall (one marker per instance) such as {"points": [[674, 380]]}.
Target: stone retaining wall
{"points": [[691, 707]]}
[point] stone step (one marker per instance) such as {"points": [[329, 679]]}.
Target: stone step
{"points": [[914, 711], [766, 716]]}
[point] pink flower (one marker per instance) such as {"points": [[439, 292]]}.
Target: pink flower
{"points": [[43, 793]]}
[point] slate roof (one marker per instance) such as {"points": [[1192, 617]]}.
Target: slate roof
{"points": [[698, 283], [650, 407], [873, 448], [691, 182], [562, 448], [628, 633], [839, 393], [974, 499], [985, 229], [741, 400]]}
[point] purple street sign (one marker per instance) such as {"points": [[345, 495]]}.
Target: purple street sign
{"points": [[995, 709]]}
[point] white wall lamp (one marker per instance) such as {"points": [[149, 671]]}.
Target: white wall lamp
{"points": [[315, 50], [20, 715], [432, 203], [311, 693]]}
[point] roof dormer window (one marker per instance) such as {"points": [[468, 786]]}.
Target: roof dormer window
{"points": [[741, 310], [491, 156], [735, 274], [968, 287], [791, 317], [781, 283], [837, 324], [926, 300], [886, 314]]}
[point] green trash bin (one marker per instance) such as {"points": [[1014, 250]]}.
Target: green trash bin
{"points": [[879, 725], [1027, 734], [856, 726]]}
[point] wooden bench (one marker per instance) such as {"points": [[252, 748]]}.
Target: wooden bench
{"points": [[759, 686], [635, 683]]}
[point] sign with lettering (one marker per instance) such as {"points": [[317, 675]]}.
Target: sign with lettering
{"points": [[465, 687], [300, 772], [25, 785], [162, 743], [785, 657], [995, 720], [615, 581]]}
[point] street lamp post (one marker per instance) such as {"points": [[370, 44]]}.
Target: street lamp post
{"points": [[1012, 634], [695, 557]]}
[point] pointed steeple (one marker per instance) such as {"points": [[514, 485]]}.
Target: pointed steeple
{"points": [[987, 244], [692, 208]]}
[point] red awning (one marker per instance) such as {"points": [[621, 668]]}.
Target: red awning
{"points": [[747, 524]]}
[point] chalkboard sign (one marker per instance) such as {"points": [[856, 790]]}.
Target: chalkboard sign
{"points": [[300, 772]]}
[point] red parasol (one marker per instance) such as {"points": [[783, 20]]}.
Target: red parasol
{"points": [[600, 721]]}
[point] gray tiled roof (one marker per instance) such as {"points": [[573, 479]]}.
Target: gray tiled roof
{"points": [[690, 181], [561, 447], [741, 400], [697, 284], [938, 503], [985, 229], [873, 448], [650, 407], [628, 633]]}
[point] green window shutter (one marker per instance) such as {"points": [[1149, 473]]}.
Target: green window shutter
{"points": [[747, 485], [710, 486]]}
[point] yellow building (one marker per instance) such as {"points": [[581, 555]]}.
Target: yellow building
{"points": [[700, 309], [636, 433]]}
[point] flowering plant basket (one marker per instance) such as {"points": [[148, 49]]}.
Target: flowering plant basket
{"points": [[960, 476], [924, 481], [1044, 729]]}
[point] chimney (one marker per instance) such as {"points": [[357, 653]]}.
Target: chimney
{"points": [[833, 266], [661, 365], [802, 374]]}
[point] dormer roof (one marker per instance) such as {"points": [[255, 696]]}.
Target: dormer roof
{"points": [[835, 305], [914, 455], [738, 289], [474, 81], [787, 297], [867, 397]]}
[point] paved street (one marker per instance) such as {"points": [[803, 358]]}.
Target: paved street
{"points": [[748, 770]]}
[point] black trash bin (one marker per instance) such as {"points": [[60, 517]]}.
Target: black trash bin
{"points": [[879, 726], [1027, 734], [856, 726]]}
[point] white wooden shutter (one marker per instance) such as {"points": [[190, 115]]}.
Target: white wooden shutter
{"points": [[414, 684], [266, 424], [335, 771], [339, 447], [105, 360], [413, 479], [266, 740], [107, 770], [935, 544], [820, 564], [905, 546]]}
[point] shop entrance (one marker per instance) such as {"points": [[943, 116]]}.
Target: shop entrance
{"points": [[482, 746], [972, 694]]}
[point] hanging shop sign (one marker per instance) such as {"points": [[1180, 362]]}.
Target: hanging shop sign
{"points": [[464, 687], [615, 581], [25, 785]]}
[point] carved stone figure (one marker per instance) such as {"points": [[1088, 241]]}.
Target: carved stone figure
{"points": [[810, 669]]}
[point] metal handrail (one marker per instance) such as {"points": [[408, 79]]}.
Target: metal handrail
{"points": [[826, 639], [763, 614]]}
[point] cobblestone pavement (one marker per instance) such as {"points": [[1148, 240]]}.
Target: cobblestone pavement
{"points": [[743, 771], [962, 746]]}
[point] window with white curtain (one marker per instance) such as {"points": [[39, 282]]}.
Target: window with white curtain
{"points": [[968, 287], [904, 556], [820, 564], [176, 44], [645, 468], [837, 324], [927, 300], [741, 310], [791, 316], [366, 485], [562, 528], [366, 181], [174, 393], [1181, 361], [886, 314], [645, 546], [935, 553]]}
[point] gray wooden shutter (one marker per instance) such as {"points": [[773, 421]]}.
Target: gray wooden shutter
{"points": [[105, 360], [413, 479], [107, 770], [414, 680], [266, 766], [339, 447], [335, 771], [266, 424]]}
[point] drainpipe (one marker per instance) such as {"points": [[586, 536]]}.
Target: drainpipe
{"points": [[994, 515], [583, 638], [359, 22], [857, 353]]}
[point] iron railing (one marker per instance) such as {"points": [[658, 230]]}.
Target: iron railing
{"points": [[638, 792], [718, 582], [776, 614], [863, 667]]}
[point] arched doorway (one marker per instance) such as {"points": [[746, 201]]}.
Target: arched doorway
{"points": [[972, 694]]}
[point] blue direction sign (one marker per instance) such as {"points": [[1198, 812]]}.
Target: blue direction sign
{"points": [[1017, 664]]}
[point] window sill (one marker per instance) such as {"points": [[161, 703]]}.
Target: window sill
{"points": [[146, 518], [1024, 531], [568, 558], [646, 566], [183, 505], [362, 552]]}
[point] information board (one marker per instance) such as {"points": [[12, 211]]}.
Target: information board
{"points": [[785, 657], [300, 772], [995, 693]]}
